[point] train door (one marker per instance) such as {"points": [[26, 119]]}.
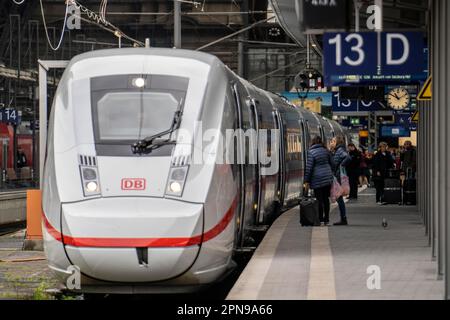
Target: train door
{"points": [[258, 185], [280, 190], [250, 173], [240, 164], [305, 140], [322, 134], [293, 158]]}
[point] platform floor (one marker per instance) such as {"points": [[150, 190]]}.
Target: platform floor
{"points": [[333, 262]]}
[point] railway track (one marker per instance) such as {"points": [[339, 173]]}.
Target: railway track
{"points": [[11, 228]]}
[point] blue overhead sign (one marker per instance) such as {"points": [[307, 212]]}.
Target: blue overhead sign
{"points": [[367, 58], [405, 119], [9, 115], [395, 131]]}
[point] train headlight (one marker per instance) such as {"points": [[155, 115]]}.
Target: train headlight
{"points": [[175, 187], [89, 180], [139, 82], [177, 179], [92, 186]]}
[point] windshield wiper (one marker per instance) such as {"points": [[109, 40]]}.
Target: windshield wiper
{"points": [[153, 142]]}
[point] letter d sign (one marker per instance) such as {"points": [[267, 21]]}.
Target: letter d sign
{"points": [[390, 59]]}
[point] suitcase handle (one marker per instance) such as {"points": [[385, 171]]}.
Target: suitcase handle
{"points": [[409, 173], [307, 193]]}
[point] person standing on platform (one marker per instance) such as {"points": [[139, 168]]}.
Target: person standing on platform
{"points": [[382, 163], [408, 159], [21, 159], [319, 176], [340, 159], [353, 170], [364, 171]]}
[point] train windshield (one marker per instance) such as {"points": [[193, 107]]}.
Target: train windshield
{"points": [[130, 116], [128, 108]]}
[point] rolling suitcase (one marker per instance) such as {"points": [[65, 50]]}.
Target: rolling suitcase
{"points": [[409, 189], [392, 191], [309, 212]]}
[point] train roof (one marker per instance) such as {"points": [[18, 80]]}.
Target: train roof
{"points": [[167, 52]]}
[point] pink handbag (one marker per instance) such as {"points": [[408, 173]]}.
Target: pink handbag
{"points": [[345, 182], [336, 191]]}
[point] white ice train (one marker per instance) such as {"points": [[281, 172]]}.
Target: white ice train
{"points": [[143, 217]]}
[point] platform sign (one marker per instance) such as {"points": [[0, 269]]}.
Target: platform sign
{"points": [[9, 115], [426, 93], [371, 58]]}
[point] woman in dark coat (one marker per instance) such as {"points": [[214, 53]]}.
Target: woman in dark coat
{"points": [[319, 176], [353, 170], [382, 163], [340, 159]]}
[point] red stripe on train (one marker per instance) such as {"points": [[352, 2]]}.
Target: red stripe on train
{"points": [[143, 242]]}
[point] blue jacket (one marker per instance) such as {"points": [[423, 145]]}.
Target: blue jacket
{"points": [[340, 158], [318, 171]]}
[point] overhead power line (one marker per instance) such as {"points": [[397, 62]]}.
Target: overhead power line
{"points": [[46, 30]]}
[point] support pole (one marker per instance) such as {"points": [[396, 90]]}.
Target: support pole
{"points": [[435, 138], [243, 37], [44, 68], [357, 5], [379, 4], [442, 87], [308, 50], [177, 24], [447, 154], [241, 56], [42, 120]]}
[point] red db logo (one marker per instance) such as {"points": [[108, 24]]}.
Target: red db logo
{"points": [[133, 184]]}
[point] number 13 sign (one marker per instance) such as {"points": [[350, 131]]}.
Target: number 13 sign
{"points": [[373, 58]]}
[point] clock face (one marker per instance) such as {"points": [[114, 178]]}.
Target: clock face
{"points": [[398, 98]]}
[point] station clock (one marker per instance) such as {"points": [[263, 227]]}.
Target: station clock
{"points": [[398, 98]]}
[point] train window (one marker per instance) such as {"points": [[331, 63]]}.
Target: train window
{"points": [[128, 108], [134, 115]]}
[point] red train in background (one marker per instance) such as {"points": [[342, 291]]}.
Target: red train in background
{"points": [[24, 144]]}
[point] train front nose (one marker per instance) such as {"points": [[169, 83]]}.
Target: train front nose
{"points": [[132, 239]]}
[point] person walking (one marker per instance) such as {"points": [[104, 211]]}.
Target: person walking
{"points": [[353, 170], [382, 163], [319, 176], [340, 159]]}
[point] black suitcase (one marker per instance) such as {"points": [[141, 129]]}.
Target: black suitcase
{"points": [[309, 212], [409, 190], [392, 191]]}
